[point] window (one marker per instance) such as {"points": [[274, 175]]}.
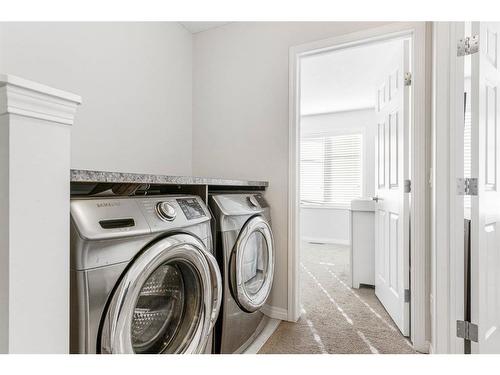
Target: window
{"points": [[331, 169]]}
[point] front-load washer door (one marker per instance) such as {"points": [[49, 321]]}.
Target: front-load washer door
{"points": [[252, 265], [167, 301]]}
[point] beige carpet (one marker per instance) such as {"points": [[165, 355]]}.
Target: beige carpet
{"points": [[335, 318]]}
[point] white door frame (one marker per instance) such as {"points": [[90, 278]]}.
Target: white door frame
{"points": [[419, 157], [447, 287]]}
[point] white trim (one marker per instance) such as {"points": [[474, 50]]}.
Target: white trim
{"points": [[456, 139], [312, 114], [337, 131], [417, 30], [9, 79], [293, 287], [420, 195], [274, 312], [30, 99], [325, 240], [321, 206], [447, 207]]}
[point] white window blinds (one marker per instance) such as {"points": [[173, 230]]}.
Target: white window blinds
{"points": [[331, 169]]}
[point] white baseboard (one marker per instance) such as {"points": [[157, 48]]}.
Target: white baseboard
{"points": [[335, 241], [275, 312]]}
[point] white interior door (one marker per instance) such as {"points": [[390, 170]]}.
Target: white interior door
{"points": [[392, 208], [485, 213]]}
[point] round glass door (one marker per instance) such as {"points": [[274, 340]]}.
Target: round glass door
{"points": [[169, 302], [252, 263], [166, 301]]}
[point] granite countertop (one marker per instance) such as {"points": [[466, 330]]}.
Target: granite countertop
{"points": [[87, 176]]}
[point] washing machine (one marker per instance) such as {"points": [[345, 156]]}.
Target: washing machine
{"points": [[244, 248], [143, 276]]}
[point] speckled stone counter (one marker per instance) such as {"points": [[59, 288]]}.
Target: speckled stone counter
{"points": [[87, 176]]}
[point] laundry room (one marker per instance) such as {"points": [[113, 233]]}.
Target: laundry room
{"points": [[137, 116], [241, 186]]}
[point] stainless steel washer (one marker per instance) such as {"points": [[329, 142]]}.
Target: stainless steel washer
{"points": [[245, 252], [143, 277]]}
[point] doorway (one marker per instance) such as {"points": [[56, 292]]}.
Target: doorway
{"points": [[366, 143], [353, 146]]}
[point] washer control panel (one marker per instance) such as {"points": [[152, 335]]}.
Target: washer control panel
{"points": [[165, 211], [113, 217], [191, 208]]}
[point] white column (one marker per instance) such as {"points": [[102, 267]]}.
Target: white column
{"points": [[35, 139]]}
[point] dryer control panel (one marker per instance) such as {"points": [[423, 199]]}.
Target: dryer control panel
{"points": [[191, 208]]}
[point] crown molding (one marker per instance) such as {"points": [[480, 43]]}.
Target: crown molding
{"points": [[26, 98]]}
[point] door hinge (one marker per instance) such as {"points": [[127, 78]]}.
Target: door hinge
{"points": [[467, 330], [408, 79], [468, 45], [407, 186], [407, 296], [467, 186]]}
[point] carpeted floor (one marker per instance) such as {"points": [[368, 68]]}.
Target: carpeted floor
{"points": [[335, 318]]}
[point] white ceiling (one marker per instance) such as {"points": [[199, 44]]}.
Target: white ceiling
{"points": [[197, 27], [344, 80]]}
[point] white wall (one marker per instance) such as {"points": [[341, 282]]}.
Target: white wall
{"points": [[240, 110], [332, 225], [135, 80], [325, 225]]}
